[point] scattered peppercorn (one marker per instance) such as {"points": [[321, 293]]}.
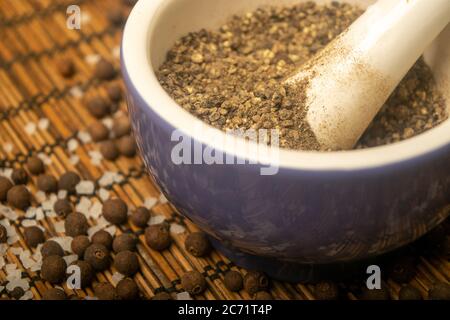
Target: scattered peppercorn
{"points": [[53, 269], [97, 255], [439, 291], [3, 234], [103, 237], [109, 150], [5, 186], [80, 244], [402, 269], [262, 295], [105, 291], [114, 92], [197, 244], [326, 290], [127, 263], [54, 294], [68, 182], [76, 224], [127, 289], [19, 197], [47, 183], [19, 176], [98, 131], [162, 296], [121, 127], [66, 67], [62, 207], [255, 281], [98, 107], [127, 146], [158, 237], [124, 242], [140, 217], [35, 166], [193, 282], [51, 248], [104, 70], [86, 273], [233, 281], [376, 294], [115, 211], [408, 292], [17, 293], [33, 236]]}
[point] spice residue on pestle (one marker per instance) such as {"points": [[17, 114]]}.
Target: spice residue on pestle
{"points": [[232, 78]]}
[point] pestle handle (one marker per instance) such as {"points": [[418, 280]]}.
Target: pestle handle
{"points": [[349, 81]]}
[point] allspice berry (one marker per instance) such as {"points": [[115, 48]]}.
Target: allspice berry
{"points": [[127, 289], [439, 291], [255, 281], [76, 224], [197, 244], [35, 166], [162, 296], [5, 186], [98, 131], [121, 126], [66, 67], [402, 269], [47, 183], [158, 237], [233, 281], [98, 107], [19, 176], [17, 293], [63, 207], [54, 294], [51, 248], [53, 269], [326, 290], [376, 294], [116, 16], [33, 236], [124, 242], [262, 295], [408, 292], [193, 282], [68, 182], [140, 217], [115, 211], [97, 255], [19, 197], [104, 70], [103, 237], [109, 150], [114, 92], [80, 244], [127, 146], [3, 234], [127, 263], [105, 291], [86, 273]]}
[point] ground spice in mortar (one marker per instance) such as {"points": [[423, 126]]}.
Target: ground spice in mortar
{"points": [[231, 78]]}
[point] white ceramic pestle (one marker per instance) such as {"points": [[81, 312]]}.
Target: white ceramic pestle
{"points": [[348, 82]]}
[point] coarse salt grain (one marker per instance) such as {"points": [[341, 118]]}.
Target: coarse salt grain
{"points": [[18, 282], [28, 223], [156, 219], [116, 52], [30, 128], [30, 213], [84, 137], [72, 145], [111, 230], [8, 213], [96, 210], [184, 296], [64, 242], [107, 179], [40, 214], [92, 59], [8, 147], [16, 250], [85, 187], [96, 158], [40, 196], [7, 173], [43, 124], [103, 194], [108, 122], [76, 92], [45, 158], [59, 227], [62, 194], [71, 258], [150, 202], [84, 205], [175, 228], [116, 277], [85, 18], [74, 160], [28, 295], [162, 199]]}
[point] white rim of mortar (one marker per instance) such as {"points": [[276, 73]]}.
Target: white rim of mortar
{"points": [[136, 48]]}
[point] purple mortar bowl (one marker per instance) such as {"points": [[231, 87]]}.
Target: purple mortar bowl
{"points": [[319, 208]]}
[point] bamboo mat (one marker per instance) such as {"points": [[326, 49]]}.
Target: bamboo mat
{"points": [[33, 36]]}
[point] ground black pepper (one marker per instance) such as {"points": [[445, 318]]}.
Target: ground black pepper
{"points": [[76, 224], [53, 269], [193, 282]]}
